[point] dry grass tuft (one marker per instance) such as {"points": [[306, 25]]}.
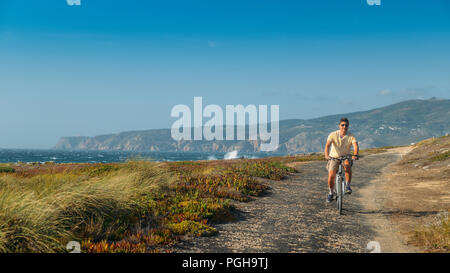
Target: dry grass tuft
{"points": [[44, 212], [434, 237]]}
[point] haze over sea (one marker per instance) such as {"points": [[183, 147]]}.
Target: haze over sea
{"points": [[60, 156]]}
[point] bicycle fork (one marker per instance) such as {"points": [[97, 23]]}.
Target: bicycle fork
{"points": [[340, 186]]}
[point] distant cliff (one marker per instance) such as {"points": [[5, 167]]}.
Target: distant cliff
{"points": [[397, 124]]}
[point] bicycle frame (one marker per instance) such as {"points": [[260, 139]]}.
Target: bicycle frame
{"points": [[340, 185], [340, 181]]}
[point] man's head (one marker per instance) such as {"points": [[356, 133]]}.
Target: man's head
{"points": [[343, 125]]}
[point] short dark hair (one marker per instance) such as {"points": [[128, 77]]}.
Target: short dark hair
{"points": [[344, 120]]}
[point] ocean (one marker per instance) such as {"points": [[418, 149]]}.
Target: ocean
{"points": [[64, 156]]}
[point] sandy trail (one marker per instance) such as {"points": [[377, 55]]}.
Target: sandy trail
{"points": [[294, 217], [376, 215]]}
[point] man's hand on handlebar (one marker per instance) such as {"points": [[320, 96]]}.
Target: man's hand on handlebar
{"points": [[347, 157]]}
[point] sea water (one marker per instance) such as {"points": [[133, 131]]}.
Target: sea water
{"points": [[77, 156]]}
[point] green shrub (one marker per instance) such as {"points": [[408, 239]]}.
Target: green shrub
{"points": [[441, 156], [7, 170], [192, 227]]}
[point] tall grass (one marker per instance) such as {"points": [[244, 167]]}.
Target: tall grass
{"points": [[44, 212], [138, 206], [434, 237]]}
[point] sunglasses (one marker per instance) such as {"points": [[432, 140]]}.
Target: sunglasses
{"points": [[344, 125]]}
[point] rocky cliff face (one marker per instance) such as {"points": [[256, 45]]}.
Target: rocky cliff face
{"points": [[397, 124]]}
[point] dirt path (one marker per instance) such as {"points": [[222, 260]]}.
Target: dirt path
{"points": [[376, 215], [294, 216]]}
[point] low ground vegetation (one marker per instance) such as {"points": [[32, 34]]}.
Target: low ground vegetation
{"points": [[137, 206]]}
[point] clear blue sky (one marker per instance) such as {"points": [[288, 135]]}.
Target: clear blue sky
{"points": [[115, 65]]}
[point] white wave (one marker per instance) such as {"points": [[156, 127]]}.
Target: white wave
{"points": [[231, 155], [211, 157]]}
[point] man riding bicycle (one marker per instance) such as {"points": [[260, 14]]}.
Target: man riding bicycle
{"points": [[342, 141]]}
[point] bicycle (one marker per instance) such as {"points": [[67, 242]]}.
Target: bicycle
{"points": [[340, 180]]}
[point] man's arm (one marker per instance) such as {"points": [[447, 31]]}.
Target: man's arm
{"points": [[327, 150], [355, 150]]}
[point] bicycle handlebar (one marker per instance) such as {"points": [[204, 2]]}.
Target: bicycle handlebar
{"points": [[345, 157]]}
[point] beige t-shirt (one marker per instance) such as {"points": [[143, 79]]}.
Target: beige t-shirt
{"points": [[340, 146]]}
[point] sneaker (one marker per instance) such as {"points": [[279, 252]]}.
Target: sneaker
{"points": [[329, 198], [348, 190]]}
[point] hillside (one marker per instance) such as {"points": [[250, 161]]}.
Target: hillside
{"points": [[414, 194], [397, 124]]}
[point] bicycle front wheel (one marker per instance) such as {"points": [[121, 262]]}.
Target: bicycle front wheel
{"points": [[339, 193]]}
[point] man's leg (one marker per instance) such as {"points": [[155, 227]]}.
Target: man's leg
{"points": [[348, 175], [332, 167], [331, 179]]}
